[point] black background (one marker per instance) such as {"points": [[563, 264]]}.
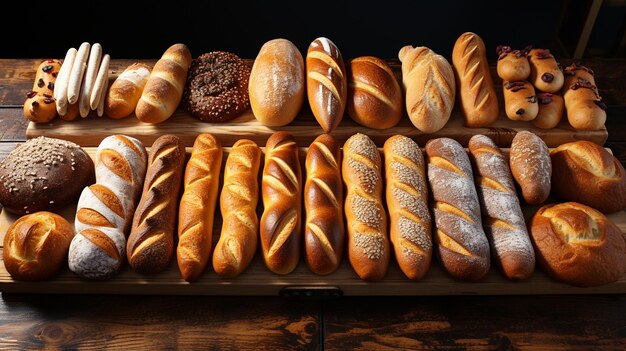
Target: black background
{"points": [[143, 29]]}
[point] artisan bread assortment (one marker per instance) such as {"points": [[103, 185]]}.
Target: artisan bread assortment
{"points": [[584, 106]]}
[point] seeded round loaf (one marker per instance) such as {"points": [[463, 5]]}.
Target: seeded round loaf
{"points": [[217, 87], [44, 174]]}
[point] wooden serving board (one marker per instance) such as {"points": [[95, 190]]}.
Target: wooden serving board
{"points": [[258, 280], [91, 130]]}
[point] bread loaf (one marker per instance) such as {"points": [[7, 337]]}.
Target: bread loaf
{"points": [[324, 233], [164, 89], [502, 217], [95, 56], [35, 246], [366, 219], [326, 83], [477, 96], [550, 110], [461, 242], [282, 202], [238, 201], [126, 90], [407, 201], [151, 241], [512, 64], [374, 94], [40, 105], [77, 73], [545, 73], [197, 207], [429, 87], [276, 84], [520, 101], [105, 209], [578, 245], [584, 106], [531, 167], [587, 173]]}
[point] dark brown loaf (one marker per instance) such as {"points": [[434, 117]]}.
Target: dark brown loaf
{"points": [[545, 73], [531, 167], [324, 233], [282, 201], [461, 242], [578, 245], [35, 246], [587, 173], [477, 96], [326, 83], [43, 174], [374, 94], [583, 103], [151, 241], [410, 225], [502, 215], [197, 207], [238, 201], [368, 242]]}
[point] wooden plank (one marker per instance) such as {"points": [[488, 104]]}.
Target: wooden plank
{"points": [[13, 124], [562, 323], [258, 280], [84, 322]]}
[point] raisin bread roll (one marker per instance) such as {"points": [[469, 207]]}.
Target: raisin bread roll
{"points": [[429, 86], [368, 244], [520, 101], [545, 73], [551, 108], [584, 106], [512, 64], [461, 242], [407, 200], [502, 215]]}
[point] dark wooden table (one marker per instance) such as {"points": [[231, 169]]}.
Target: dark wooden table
{"points": [[559, 322]]}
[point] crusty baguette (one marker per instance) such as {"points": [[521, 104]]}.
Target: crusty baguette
{"points": [[477, 96], [461, 242], [584, 106], [368, 242], [429, 87], [545, 73], [407, 200], [323, 202], [197, 207], [238, 201], [281, 235], [151, 241], [126, 90], [503, 219], [326, 83], [531, 167], [164, 89], [105, 209]]}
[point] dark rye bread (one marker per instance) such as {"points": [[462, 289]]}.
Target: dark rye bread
{"points": [[44, 174], [217, 87]]}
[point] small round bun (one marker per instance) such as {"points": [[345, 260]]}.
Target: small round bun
{"points": [[578, 245], [35, 246], [217, 87]]}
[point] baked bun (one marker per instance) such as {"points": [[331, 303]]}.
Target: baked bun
{"points": [[217, 87], [35, 246], [374, 94], [44, 174], [578, 245], [585, 172]]}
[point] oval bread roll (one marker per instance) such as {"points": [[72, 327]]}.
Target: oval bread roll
{"points": [[126, 90], [520, 101], [584, 106], [545, 73], [551, 108], [512, 65]]}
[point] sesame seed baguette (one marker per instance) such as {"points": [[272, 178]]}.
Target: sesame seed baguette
{"points": [[282, 201], [368, 244], [461, 241], [324, 232], [407, 201]]}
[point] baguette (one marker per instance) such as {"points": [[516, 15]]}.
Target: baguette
{"points": [[520, 101], [282, 199], [105, 209], [323, 202], [531, 167], [513, 65], [101, 84], [326, 83], [126, 91], [164, 89], [368, 244], [77, 73], [545, 73], [550, 110], [407, 200], [584, 106], [461, 242], [61, 84], [151, 241], [503, 220], [95, 56], [478, 98], [240, 225], [197, 207]]}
